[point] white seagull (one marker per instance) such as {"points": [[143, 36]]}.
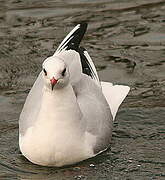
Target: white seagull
{"points": [[68, 114]]}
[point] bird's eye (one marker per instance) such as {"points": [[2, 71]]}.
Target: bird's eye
{"points": [[63, 72], [45, 72]]}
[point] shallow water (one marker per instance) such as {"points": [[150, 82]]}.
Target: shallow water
{"points": [[126, 41]]}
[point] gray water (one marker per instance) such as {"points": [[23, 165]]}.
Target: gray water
{"points": [[126, 40]]}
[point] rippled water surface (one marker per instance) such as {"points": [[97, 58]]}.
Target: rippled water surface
{"points": [[126, 39]]}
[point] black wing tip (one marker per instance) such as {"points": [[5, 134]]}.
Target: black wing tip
{"points": [[77, 36], [86, 66], [82, 49], [83, 26], [73, 41], [84, 62]]}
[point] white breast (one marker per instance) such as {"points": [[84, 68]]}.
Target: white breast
{"points": [[58, 137]]}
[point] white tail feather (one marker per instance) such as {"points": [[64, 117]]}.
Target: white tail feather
{"points": [[114, 94]]}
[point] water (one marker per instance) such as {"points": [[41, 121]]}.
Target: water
{"points": [[126, 41]]}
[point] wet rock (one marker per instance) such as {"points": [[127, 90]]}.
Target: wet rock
{"points": [[92, 165], [76, 168], [79, 177]]}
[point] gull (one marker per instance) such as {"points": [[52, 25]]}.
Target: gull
{"points": [[68, 114]]}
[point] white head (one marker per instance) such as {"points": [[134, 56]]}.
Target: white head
{"points": [[55, 73]]}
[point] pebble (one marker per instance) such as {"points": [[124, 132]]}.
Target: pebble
{"points": [[92, 165]]}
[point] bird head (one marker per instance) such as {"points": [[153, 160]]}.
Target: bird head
{"points": [[55, 73]]}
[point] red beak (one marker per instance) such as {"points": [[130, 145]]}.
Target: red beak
{"points": [[53, 82]]}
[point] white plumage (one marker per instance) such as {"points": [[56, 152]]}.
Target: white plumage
{"points": [[68, 114]]}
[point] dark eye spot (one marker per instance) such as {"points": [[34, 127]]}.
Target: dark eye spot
{"points": [[45, 72], [63, 72]]}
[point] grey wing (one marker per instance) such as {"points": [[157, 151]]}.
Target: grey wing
{"points": [[92, 102], [94, 107], [96, 112], [31, 106]]}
